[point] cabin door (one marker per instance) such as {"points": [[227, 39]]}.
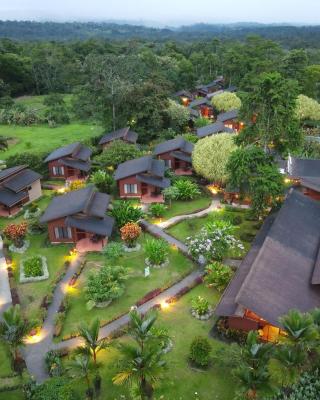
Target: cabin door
{"points": [[144, 188]]}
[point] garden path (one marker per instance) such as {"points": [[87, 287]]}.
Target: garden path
{"points": [[215, 205], [34, 353], [5, 292]]}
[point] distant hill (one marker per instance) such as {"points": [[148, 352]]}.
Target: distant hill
{"points": [[291, 36]]}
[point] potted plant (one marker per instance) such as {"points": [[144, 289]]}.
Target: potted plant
{"points": [[157, 251], [16, 233]]}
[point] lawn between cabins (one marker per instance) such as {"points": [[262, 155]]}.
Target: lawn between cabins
{"points": [[137, 285], [180, 380], [245, 231]]}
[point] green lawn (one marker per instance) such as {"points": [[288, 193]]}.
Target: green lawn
{"points": [[136, 286], [5, 364], [180, 381], [12, 395], [191, 227], [42, 139], [179, 207]]}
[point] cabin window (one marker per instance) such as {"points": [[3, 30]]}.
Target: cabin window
{"points": [[130, 188], [58, 171], [62, 232], [167, 163]]}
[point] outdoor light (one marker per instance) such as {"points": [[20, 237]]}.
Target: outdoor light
{"points": [[164, 305]]}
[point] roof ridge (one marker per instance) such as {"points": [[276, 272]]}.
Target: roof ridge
{"points": [[89, 200]]}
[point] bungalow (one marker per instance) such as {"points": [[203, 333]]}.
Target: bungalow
{"points": [[214, 86], [79, 217], [18, 186], [185, 97], [142, 178], [281, 271], [230, 120], [203, 107], [307, 173], [213, 129], [124, 134], [69, 162], [176, 154]]}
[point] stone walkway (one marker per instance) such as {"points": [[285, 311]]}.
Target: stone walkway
{"points": [[215, 204], [5, 292], [34, 353]]}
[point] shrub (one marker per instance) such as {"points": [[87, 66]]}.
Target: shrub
{"points": [[218, 275], [35, 226], [187, 190], [200, 350], [157, 209], [200, 305], [157, 251], [247, 236], [53, 363], [33, 267], [16, 233], [130, 233], [234, 219], [118, 152], [226, 102], [202, 121], [113, 251], [103, 181], [76, 185], [124, 212], [19, 115], [57, 388], [105, 285], [33, 160], [171, 193]]}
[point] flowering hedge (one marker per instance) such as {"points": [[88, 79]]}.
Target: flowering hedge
{"points": [[16, 233], [130, 233], [214, 241]]}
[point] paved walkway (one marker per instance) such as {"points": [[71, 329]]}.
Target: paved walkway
{"points": [[154, 230], [34, 353], [5, 292], [215, 204]]}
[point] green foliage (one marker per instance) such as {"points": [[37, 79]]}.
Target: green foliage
{"points": [[269, 111], [34, 161], [124, 212], [107, 284], [52, 389], [157, 251], [218, 276], [210, 157], [186, 189], [103, 181], [118, 152], [201, 122], [190, 137], [200, 305], [311, 82], [307, 108], [200, 350], [17, 115], [226, 102], [157, 209], [33, 266], [178, 115], [53, 363], [113, 251], [171, 193]]}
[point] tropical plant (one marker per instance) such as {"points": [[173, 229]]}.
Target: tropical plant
{"points": [[226, 101], [142, 363], [92, 344], [218, 275], [116, 153], [53, 363], [253, 380], [105, 285], [14, 329], [187, 190], [170, 193], [202, 121], [16, 233], [157, 251], [33, 266], [157, 209], [178, 115], [81, 367], [200, 305], [210, 157], [200, 350], [56, 388], [124, 212], [113, 251], [287, 364], [103, 181], [130, 233], [307, 108]]}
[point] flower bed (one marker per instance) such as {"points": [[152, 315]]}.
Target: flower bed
{"points": [[34, 269], [127, 249], [20, 250], [163, 265], [29, 215]]}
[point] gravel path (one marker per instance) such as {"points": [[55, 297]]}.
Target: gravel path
{"points": [[5, 292]]}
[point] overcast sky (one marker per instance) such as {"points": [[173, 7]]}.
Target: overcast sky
{"points": [[164, 11]]}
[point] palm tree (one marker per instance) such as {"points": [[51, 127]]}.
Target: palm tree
{"points": [[255, 353], [81, 367], [140, 367], [300, 329], [14, 329], [291, 360], [92, 344], [141, 327], [252, 380]]}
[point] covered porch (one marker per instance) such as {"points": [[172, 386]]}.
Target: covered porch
{"points": [[87, 244], [150, 198]]}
